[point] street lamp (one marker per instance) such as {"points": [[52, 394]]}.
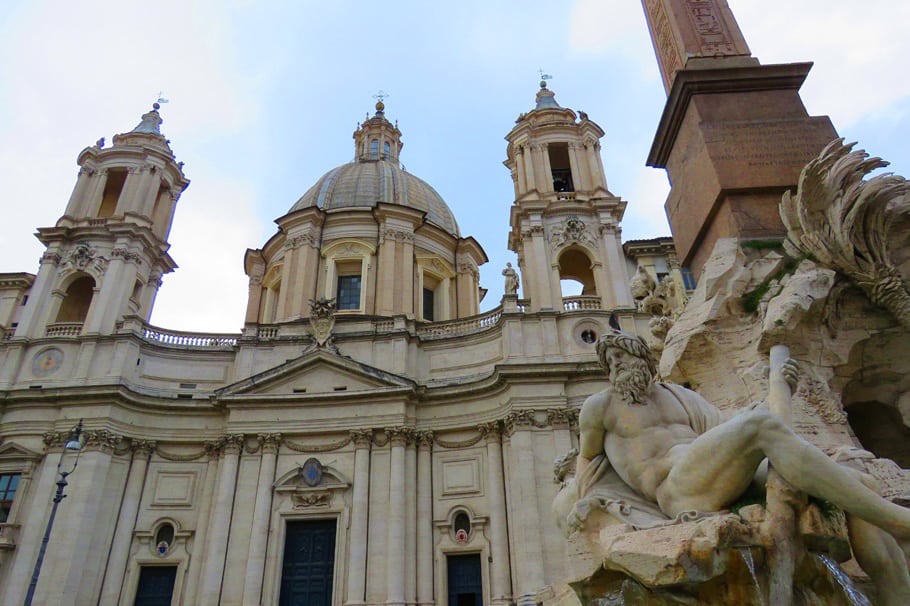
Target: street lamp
{"points": [[73, 444]]}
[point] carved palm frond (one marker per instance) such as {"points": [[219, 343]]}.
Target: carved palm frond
{"points": [[844, 221]]}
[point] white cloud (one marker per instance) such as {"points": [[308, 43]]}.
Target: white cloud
{"points": [[599, 27], [210, 234], [645, 216], [861, 51]]}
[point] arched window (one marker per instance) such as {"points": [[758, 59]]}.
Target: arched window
{"points": [[374, 149], [164, 538], [386, 151], [77, 300], [461, 526]]}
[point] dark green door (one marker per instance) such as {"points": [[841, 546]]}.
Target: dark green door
{"points": [[156, 585], [309, 561], [465, 584]]}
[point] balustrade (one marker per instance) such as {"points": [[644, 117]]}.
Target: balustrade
{"points": [[440, 330], [189, 339], [581, 302], [63, 329]]}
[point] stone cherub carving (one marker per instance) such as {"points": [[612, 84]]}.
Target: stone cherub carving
{"points": [[511, 285], [652, 452]]}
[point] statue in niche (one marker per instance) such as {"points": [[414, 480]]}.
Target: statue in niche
{"points": [[654, 453], [642, 285], [511, 285]]}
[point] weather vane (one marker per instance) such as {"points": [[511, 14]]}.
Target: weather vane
{"points": [[381, 95], [161, 98], [544, 76]]}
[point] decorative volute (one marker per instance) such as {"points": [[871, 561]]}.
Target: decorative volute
{"points": [[565, 222], [106, 255]]}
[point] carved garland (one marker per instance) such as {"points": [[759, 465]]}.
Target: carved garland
{"points": [[299, 447]]}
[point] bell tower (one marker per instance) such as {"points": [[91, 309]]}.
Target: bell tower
{"points": [[564, 221], [106, 254]]}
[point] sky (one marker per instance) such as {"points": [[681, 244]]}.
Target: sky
{"points": [[264, 97]]}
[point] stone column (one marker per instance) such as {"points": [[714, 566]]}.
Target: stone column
{"points": [[410, 527], [501, 576], [579, 172], [219, 527], [528, 157], [395, 546], [561, 419], [286, 291], [521, 173], [543, 179], [424, 518], [76, 206], [357, 553], [259, 536], [126, 522], [542, 288], [526, 521], [83, 525], [201, 523]]}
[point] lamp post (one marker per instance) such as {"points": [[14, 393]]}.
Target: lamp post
{"points": [[72, 444]]}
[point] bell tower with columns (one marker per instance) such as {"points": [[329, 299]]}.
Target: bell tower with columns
{"points": [[106, 254], [734, 134], [564, 221]]}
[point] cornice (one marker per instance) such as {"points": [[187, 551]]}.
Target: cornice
{"points": [[691, 82]]}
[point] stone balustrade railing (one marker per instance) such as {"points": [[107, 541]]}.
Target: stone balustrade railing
{"points": [[189, 339], [380, 326], [581, 302], [267, 332], [441, 330], [63, 329]]}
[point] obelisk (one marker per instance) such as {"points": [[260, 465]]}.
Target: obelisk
{"points": [[734, 134]]}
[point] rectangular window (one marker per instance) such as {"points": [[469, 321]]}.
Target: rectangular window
{"points": [[560, 168], [156, 586], [688, 279], [428, 297], [348, 294], [8, 484]]}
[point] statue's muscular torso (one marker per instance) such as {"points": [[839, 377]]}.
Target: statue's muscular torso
{"points": [[642, 441]]}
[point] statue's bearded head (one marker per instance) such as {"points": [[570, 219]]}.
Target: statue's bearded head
{"points": [[631, 364]]}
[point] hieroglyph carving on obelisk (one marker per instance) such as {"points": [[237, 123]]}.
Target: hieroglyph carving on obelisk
{"points": [[683, 29]]}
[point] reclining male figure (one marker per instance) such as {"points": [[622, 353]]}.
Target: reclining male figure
{"points": [[647, 431]]}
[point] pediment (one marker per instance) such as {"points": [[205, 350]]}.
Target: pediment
{"points": [[316, 372], [13, 451]]}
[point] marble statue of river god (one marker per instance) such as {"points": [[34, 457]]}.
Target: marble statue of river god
{"points": [[652, 450]]}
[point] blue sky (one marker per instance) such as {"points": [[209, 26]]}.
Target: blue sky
{"points": [[265, 96]]}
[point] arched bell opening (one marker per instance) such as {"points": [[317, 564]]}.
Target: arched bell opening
{"points": [[576, 276], [77, 299]]}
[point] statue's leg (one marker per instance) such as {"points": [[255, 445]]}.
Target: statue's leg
{"points": [[879, 554], [883, 560], [721, 462]]}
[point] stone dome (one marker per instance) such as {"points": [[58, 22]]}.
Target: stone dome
{"points": [[364, 183]]}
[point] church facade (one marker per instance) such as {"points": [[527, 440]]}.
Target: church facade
{"points": [[370, 437]]}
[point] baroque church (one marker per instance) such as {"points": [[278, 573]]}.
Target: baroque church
{"points": [[371, 437]]}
